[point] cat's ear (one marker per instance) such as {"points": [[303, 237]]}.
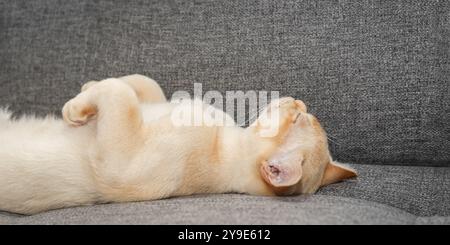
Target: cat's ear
{"points": [[335, 172], [281, 175]]}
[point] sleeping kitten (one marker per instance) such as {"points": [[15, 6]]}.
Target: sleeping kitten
{"points": [[116, 143]]}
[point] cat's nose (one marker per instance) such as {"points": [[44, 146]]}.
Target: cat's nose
{"points": [[301, 105]]}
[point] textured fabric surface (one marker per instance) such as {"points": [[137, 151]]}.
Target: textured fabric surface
{"points": [[375, 72], [231, 209], [436, 220], [381, 195], [424, 191]]}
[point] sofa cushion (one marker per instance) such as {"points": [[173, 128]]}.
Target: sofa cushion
{"points": [[435, 220], [375, 73], [381, 195], [424, 191], [231, 209]]}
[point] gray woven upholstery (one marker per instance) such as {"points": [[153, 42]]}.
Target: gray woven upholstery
{"points": [[376, 73]]}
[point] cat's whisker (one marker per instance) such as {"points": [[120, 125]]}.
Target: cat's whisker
{"points": [[329, 135], [333, 141]]}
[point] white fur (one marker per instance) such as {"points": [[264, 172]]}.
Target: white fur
{"points": [[46, 164], [42, 162], [119, 150], [5, 115]]}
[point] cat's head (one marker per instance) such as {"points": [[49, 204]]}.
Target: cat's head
{"points": [[303, 162]]}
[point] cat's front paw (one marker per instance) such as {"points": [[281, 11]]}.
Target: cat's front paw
{"points": [[279, 117], [78, 111], [288, 110], [87, 85]]}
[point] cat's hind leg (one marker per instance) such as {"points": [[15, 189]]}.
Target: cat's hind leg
{"points": [[117, 111], [120, 134], [146, 89]]}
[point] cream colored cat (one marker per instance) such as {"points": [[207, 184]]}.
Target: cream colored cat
{"points": [[117, 144]]}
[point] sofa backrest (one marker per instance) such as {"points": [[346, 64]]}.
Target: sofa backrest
{"points": [[376, 73]]}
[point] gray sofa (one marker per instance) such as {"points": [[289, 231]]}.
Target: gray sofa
{"points": [[376, 73]]}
